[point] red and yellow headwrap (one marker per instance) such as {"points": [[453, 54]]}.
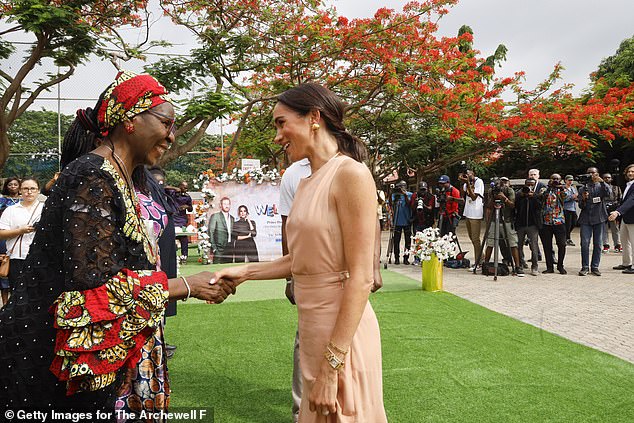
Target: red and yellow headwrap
{"points": [[128, 96]]}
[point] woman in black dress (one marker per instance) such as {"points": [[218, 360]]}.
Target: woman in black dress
{"points": [[90, 299], [243, 233]]}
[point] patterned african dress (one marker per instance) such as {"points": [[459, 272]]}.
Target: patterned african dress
{"points": [[147, 386], [88, 301]]}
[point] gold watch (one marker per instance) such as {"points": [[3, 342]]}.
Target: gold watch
{"points": [[335, 362]]}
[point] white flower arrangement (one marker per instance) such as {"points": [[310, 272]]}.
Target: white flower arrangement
{"points": [[244, 177], [429, 242]]}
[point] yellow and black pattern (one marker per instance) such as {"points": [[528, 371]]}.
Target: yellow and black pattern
{"points": [[128, 96], [133, 227], [93, 340]]}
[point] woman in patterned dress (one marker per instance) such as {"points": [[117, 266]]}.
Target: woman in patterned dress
{"points": [[92, 265]]}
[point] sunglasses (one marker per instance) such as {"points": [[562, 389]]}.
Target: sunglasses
{"points": [[170, 124]]}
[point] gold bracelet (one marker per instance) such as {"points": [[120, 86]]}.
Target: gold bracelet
{"points": [[336, 348], [189, 291]]}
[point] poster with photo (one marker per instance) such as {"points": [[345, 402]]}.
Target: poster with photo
{"points": [[256, 225]]}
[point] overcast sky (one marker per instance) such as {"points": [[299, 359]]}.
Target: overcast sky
{"points": [[537, 33]]}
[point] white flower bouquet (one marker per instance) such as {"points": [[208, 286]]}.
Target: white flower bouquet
{"points": [[429, 242]]}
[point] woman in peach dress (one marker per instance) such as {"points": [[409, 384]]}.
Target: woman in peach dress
{"points": [[331, 231]]}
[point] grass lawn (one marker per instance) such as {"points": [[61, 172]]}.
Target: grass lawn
{"points": [[444, 360]]}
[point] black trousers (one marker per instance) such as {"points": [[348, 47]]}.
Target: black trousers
{"points": [[571, 220], [448, 224], [398, 231], [184, 240], [546, 233]]}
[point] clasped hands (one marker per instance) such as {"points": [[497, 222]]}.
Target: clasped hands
{"points": [[225, 281], [205, 286]]}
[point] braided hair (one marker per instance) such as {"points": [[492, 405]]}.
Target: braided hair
{"points": [[307, 97]]}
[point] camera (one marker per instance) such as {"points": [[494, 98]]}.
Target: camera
{"points": [[441, 195], [584, 179], [462, 167], [615, 166], [420, 205], [556, 184], [525, 189], [611, 206], [495, 186]]}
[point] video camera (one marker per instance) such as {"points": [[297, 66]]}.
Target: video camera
{"points": [[556, 184], [584, 179], [496, 185], [462, 167], [441, 195]]}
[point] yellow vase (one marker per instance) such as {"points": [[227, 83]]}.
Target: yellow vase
{"points": [[432, 274]]}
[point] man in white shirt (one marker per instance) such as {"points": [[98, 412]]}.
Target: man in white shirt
{"points": [[290, 181], [473, 189]]}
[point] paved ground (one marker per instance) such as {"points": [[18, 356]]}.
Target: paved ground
{"points": [[593, 311]]}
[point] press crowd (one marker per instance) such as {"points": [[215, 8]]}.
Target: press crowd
{"points": [[524, 213]]}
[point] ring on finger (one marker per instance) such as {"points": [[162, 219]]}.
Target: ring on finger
{"points": [[325, 412]]}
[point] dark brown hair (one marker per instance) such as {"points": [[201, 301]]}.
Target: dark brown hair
{"points": [[305, 98], [5, 187], [30, 178]]}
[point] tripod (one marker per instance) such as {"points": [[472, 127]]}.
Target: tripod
{"points": [[497, 205]]}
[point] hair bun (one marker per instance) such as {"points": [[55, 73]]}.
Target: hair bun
{"points": [[83, 116]]}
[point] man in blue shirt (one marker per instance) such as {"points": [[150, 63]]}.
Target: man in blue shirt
{"points": [[402, 220]]}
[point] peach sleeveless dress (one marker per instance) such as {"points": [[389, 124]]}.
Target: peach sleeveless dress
{"points": [[319, 273]]}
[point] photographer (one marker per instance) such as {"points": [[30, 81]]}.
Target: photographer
{"points": [[592, 220], [570, 208], [449, 201], [401, 199], [422, 206], [553, 222], [613, 202], [473, 191], [501, 195], [528, 221]]}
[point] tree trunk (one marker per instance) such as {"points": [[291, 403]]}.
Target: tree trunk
{"points": [[236, 135], [4, 146]]}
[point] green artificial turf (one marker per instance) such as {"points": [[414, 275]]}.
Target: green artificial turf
{"points": [[444, 360]]}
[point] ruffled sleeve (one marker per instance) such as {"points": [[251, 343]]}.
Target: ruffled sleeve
{"points": [[102, 330]]}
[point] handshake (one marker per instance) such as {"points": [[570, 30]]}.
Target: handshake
{"points": [[208, 286]]}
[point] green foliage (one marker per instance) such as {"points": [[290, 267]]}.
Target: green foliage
{"points": [[187, 167], [35, 132], [6, 49], [210, 104], [618, 69], [69, 41]]}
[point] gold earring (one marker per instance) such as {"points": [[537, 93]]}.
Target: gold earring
{"points": [[315, 126]]}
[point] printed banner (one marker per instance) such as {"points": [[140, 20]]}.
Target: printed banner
{"points": [[252, 209]]}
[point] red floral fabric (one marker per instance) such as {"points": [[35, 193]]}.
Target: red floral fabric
{"points": [[103, 329]]}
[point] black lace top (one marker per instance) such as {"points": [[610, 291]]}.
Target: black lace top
{"points": [[83, 239]]}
